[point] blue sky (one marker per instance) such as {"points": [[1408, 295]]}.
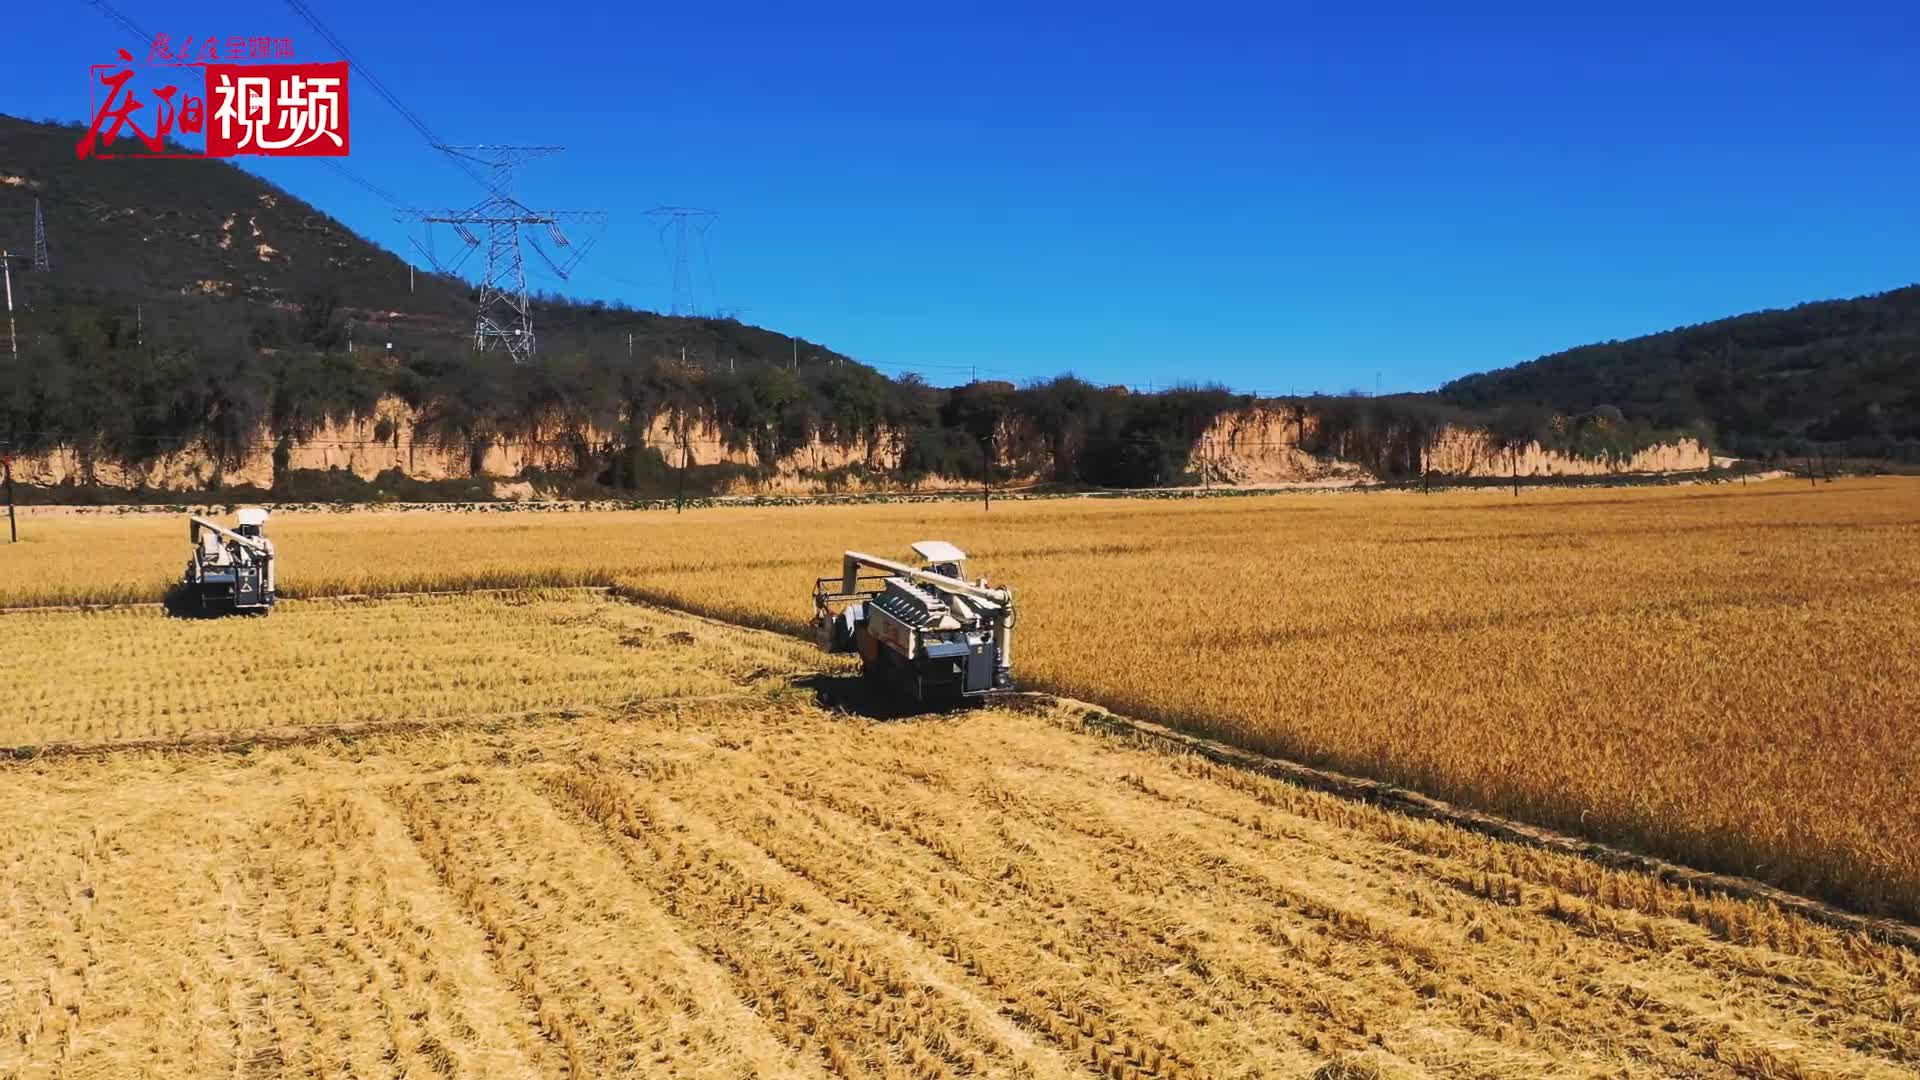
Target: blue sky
{"points": [[1275, 197]]}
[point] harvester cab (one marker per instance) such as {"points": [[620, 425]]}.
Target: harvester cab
{"points": [[230, 569], [940, 557], [925, 630]]}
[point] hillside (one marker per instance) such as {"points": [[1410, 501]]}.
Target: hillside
{"points": [[160, 231], [1841, 374], [194, 311]]}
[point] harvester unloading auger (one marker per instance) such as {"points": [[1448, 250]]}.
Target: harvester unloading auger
{"points": [[231, 569], [925, 630]]}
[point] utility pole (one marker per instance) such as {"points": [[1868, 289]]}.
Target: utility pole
{"points": [[986, 474], [686, 460], [6, 268], [13, 342]]}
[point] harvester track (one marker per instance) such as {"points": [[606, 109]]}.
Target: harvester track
{"points": [[295, 598]]}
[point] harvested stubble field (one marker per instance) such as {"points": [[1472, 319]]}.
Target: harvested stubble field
{"points": [[123, 676], [1726, 675], [750, 886]]}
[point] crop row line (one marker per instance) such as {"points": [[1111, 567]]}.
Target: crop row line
{"points": [[321, 598], [299, 735]]}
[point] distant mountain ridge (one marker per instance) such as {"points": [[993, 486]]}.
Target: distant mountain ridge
{"points": [[1840, 374], [192, 303], [162, 229]]}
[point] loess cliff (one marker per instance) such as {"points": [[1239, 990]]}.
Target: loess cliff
{"points": [[1283, 445], [1261, 446]]}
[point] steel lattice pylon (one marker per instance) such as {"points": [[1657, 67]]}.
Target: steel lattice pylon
{"points": [[684, 301], [503, 317], [40, 263]]}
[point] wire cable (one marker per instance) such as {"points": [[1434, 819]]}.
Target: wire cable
{"points": [[412, 118]]}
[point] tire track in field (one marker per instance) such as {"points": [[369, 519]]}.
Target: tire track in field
{"points": [[589, 954], [379, 933], [1055, 1002], [863, 794], [1429, 951], [1112, 948], [813, 973], [1063, 1002], [1062, 1009], [1149, 887], [441, 948], [1804, 985]]}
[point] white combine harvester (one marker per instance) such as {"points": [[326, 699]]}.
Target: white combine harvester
{"points": [[231, 569], [926, 630]]}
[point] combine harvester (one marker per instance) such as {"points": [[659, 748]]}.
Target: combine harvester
{"points": [[927, 631], [231, 569]]}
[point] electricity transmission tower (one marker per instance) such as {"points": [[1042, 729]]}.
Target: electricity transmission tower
{"points": [[503, 317], [677, 218], [40, 264]]}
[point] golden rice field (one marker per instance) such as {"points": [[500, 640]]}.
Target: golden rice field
{"points": [[1726, 675], [752, 887]]}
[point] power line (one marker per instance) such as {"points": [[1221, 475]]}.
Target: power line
{"points": [[113, 13], [601, 271], [376, 190], [412, 118]]}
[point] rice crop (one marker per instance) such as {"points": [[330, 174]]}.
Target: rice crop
{"points": [[1721, 674]]}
